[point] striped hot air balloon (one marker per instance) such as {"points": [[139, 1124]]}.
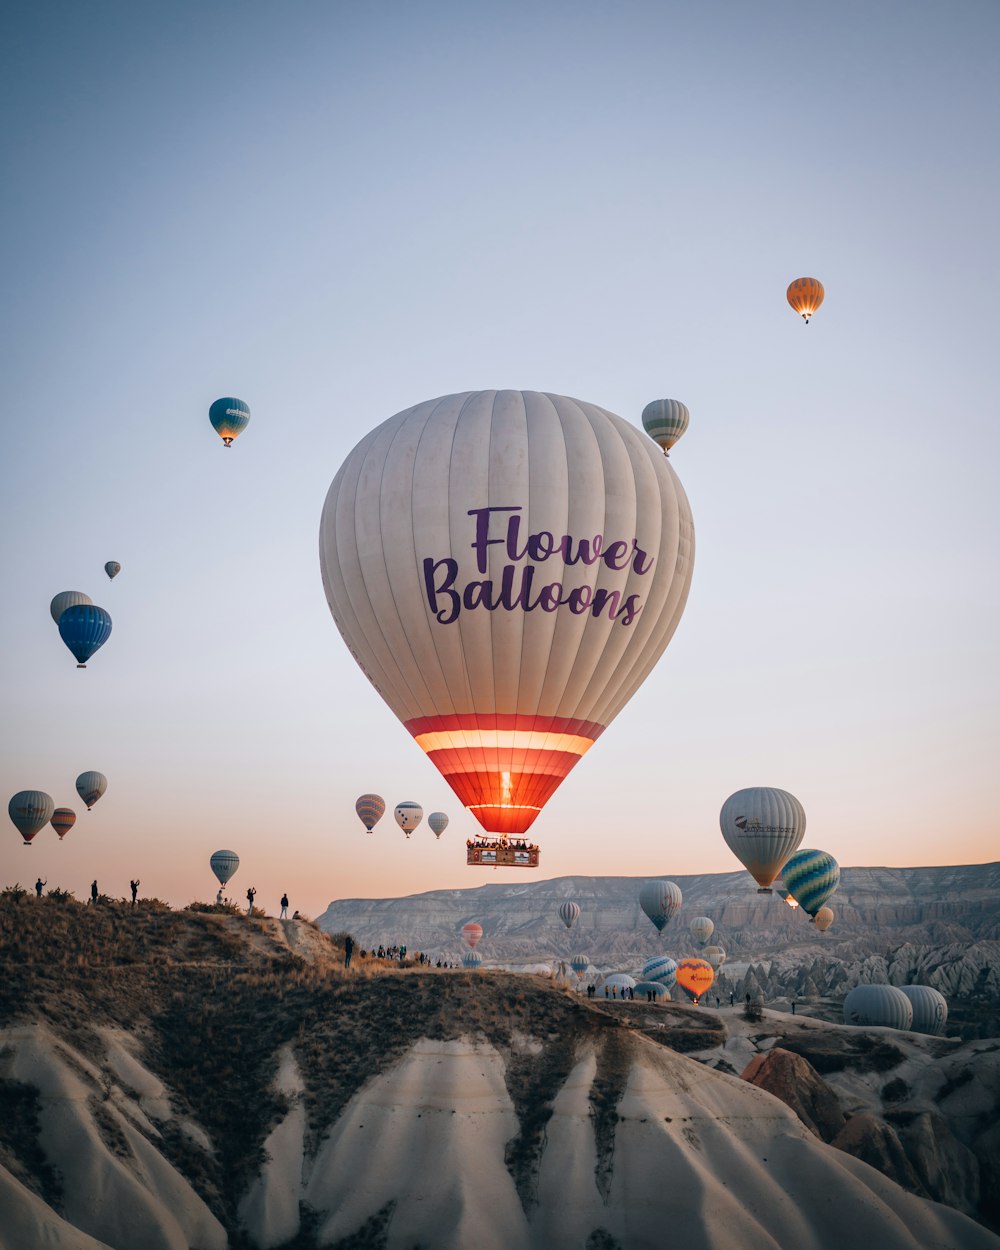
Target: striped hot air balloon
{"points": [[408, 816], [702, 929], [661, 968], [84, 628], [67, 599], [715, 955], [506, 567], [805, 296], [63, 820], [881, 1006], [762, 826], [660, 900], [811, 877], [579, 964], [930, 1008], [229, 418], [30, 810], [471, 933], [569, 914], [472, 960], [659, 992], [370, 809], [665, 420], [438, 822], [90, 786]]}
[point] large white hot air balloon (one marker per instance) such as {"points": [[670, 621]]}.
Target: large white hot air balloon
{"points": [[506, 567], [762, 827], [408, 816]]}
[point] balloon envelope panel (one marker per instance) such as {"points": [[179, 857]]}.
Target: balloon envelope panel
{"points": [[930, 1008], [506, 567], [762, 826], [811, 878], [881, 1006]]}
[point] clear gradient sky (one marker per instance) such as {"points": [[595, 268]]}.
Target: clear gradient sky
{"points": [[336, 210]]}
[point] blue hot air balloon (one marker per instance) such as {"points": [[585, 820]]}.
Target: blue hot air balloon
{"points": [[579, 963], [472, 960], [84, 628], [810, 878], [229, 417], [661, 968]]}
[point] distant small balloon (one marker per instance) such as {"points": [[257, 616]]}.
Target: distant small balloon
{"points": [[569, 914], [824, 918], [579, 963], [438, 822], [472, 932], [84, 628], [665, 420], [695, 976], [370, 809], [224, 864], [408, 816], [702, 929], [659, 900], [112, 568], [472, 960], [67, 599], [90, 786], [63, 820], [805, 296], [229, 417], [715, 955], [30, 810]]}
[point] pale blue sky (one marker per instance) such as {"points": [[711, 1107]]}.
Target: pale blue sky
{"points": [[334, 211]]}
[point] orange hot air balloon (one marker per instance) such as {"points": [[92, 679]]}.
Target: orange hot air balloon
{"points": [[63, 820], [506, 567], [805, 295], [695, 976]]}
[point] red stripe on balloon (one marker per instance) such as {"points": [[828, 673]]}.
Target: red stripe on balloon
{"points": [[505, 720]]}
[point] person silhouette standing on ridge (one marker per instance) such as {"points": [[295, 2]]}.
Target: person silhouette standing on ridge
{"points": [[135, 890], [40, 885], [251, 895], [93, 892], [348, 950], [284, 907]]}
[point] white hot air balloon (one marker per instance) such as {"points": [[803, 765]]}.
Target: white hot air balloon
{"points": [[930, 1008], [702, 929], [569, 913], [90, 786], [224, 864], [660, 900], [879, 1005], [438, 822], [67, 599], [762, 827], [506, 567], [408, 816]]}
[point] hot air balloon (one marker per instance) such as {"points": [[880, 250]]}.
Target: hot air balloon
{"points": [[569, 914], [224, 864], [785, 897], [882, 1006], [824, 918], [659, 900], [805, 295], [644, 988], [665, 420], [63, 820], [84, 628], [438, 822], [408, 816], [930, 1008], [474, 961], [579, 964], [112, 568], [695, 977], [506, 567], [30, 810], [811, 877], [716, 956], [702, 929], [661, 968], [471, 933], [618, 981], [67, 599], [230, 417], [371, 809], [762, 827], [90, 787]]}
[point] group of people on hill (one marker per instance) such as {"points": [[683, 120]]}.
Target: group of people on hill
{"points": [[95, 893]]}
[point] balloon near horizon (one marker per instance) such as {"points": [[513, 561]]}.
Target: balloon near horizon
{"points": [[506, 567]]}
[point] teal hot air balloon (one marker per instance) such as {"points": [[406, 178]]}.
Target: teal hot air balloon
{"points": [[810, 877], [659, 900], [67, 599], [229, 417], [30, 810], [472, 960], [665, 420], [661, 969], [224, 865], [84, 628], [579, 963], [370, 809], [112, 568]]}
